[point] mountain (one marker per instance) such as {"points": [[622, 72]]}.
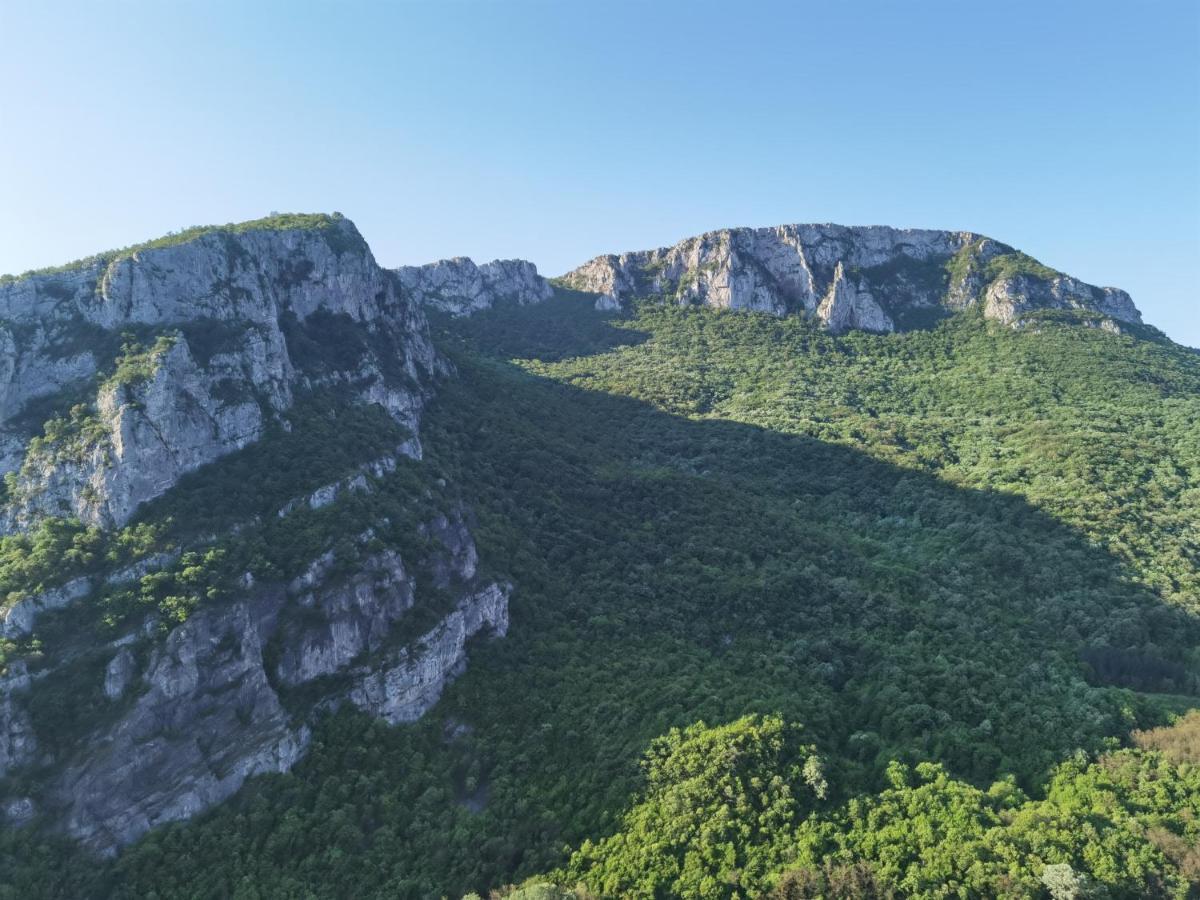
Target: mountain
{"points": [[229, 350], [871, 278], [757, 601]]}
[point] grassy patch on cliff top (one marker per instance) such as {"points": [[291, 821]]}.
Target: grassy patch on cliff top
{"points": [[275, 222]]}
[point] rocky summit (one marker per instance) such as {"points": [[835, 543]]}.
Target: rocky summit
{"points": [[868, 278]]}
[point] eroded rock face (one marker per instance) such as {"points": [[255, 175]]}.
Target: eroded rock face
{"points": [[459, 287], [1006, 300], [18, 620], [411, 683], [208, 711], [866, 278], [221, 334], [223, 305], [207, 720]]}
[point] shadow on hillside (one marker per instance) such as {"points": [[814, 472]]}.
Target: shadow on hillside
{"points": [[670, 569]]}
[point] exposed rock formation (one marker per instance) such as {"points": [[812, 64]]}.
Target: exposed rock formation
{"points": [[226, 328], [410, 684], [208, 712], [869, 278], [144, 366], [459, 287], [18, 620], [219, 309]]}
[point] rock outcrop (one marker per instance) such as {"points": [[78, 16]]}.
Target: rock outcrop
{"points": [[867, 278], [459, 287], [120, 375], [182, 353], [209, 705], [412, 682]]}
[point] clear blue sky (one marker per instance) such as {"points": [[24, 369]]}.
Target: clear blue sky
{"points": [[558, 130]]}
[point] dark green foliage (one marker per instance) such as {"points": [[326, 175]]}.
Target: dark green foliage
{"points": [[53, 551], [947, 553], [137, 362], [1121, 822], [719, 806], [1009, 265]]}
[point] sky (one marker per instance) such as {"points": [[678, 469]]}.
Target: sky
{"points": [[556, 130]]}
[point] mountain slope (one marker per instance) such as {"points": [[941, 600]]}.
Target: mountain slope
{"points": [[222, 515], [967, 549]]}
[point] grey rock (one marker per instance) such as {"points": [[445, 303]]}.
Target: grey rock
{"points": [[847, 307], [152, 563], [19, 811], [242, 289], [19, 619], [206, 720], [119, 673], [207, 712], [1008, 299], [865, 278], [405, 689], [459, 287], [355, 616], [18, 743]]}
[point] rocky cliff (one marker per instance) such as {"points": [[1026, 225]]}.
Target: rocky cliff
{"points": [[165, 358], [459, 287], [148, 666], [869, 278], [206, 709]]}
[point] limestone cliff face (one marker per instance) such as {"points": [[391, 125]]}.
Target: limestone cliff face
{"points": [[868, 278], [215, 314], [459, 287], [120, 375], [206, 710]]}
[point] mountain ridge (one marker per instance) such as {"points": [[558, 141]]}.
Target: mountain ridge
{"points": [[848, 277]]}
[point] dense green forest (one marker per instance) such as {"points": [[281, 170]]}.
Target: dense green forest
{"points": [[795, 615]]}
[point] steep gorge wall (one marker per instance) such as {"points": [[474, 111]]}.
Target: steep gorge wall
{"points": [[460, 287]]}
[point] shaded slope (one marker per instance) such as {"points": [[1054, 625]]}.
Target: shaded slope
{"points": [[673, 568]]}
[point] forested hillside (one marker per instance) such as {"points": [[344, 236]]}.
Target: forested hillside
{"points": [[799, 614]]}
